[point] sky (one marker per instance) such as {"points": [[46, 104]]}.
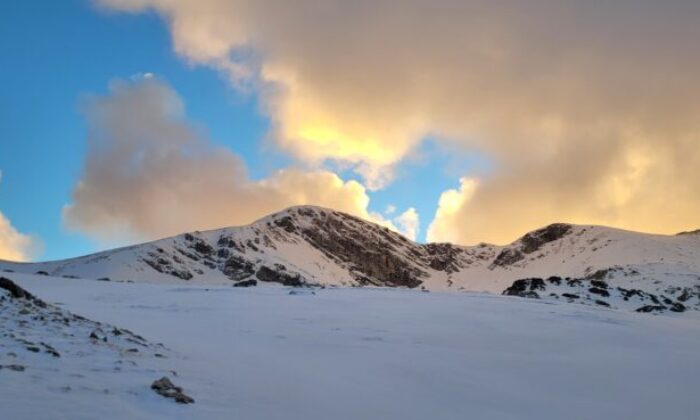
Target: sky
{"points": [[463, 121]]}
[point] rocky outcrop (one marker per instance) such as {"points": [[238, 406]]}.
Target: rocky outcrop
{"points": [[593, 291], [525, 288], [530, 243], [246, 283], [167, 389], [279, 275]]}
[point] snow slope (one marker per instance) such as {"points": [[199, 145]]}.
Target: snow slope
{"points": [[316, 246], [349, 353]]}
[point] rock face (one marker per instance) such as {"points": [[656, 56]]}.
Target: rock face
{"points": [[530, 243], [525, 288]]}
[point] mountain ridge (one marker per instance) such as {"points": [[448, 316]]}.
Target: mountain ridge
{"points": [[316, 246]]}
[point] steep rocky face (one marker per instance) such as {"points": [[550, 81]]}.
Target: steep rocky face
{"points": [[373, 255], [530, 243], [367, 253]]}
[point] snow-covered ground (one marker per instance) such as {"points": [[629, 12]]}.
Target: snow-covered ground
{"points": [[263, 353]]}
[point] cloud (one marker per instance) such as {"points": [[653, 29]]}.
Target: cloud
{"points": [[148, 173], [15, 246], [588, 111], [408, 223]]}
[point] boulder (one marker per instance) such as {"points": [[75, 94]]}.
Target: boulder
{"points": [[167, 389]]}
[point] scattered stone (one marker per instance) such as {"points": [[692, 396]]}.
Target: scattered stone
{"points": [[651, 308], [246, 283], [167, 389], [555, 280], [599, 284], [599, 291], [16, 368], [269, 275], [299, 292], [51, 350], [677, 307]]}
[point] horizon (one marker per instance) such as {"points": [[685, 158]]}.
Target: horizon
{"points": [[139, 120], [286, 209]]}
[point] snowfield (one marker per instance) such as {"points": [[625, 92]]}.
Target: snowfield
{"points": [[346, 353]]}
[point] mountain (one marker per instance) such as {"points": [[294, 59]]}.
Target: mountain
{"points": [[315, 246]]}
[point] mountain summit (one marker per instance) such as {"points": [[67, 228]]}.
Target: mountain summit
{"points": [[314, 246]]}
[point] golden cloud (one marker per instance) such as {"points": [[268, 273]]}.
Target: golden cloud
{"points": [[14, 245], [149, 174], [589, 111]]}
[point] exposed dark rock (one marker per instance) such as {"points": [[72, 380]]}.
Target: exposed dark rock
{"points": [[573, 282], [237, 268], [599, 284], [599, 291], [508, 257], [51, 350], [14, 367], [554, 280], [530, 243], [203, 248], [164, 266], [651, 308], [367, 250], [246, 283], [225, 242], [677, 307], [602, 303], [275, 276], [15, 290], [443, 257], [42, 273], [525, 288], [286, 223], [600, 274], [534, 240], [166, 388], [570, 296]]}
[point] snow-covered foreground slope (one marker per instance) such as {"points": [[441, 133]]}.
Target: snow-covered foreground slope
{"points": [[261, 353], [316, 246]]}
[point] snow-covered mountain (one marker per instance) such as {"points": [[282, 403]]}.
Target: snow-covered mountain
{"points": [[308, 245]]}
